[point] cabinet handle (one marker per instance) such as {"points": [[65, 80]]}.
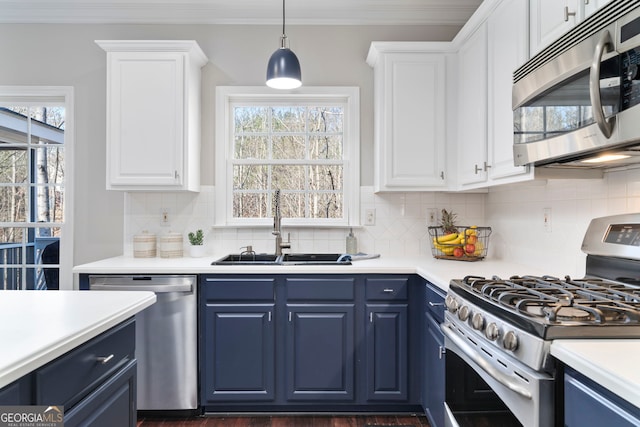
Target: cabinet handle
{"points": [[269, 317], [289, 316], [567, 14], [442, 175], [487, 167], [388, 290], [586, 1], [175, 174], [435, 304], [104, 360], [477, 169], [441, 351], [371, 317]]}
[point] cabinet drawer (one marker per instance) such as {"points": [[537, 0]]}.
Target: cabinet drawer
{"points": [[435, 301], [331, 289], [391, 288], [238, 288], [69, 378]]}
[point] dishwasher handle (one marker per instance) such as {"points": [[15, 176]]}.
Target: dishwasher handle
{"points": [[157, 284], [152, 288]]}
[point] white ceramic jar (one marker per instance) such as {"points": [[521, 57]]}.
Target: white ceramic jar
{"points": [[171, 245], [144, 245]]}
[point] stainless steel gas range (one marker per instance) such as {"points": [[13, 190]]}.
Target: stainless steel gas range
{"points": [[498, 331]]}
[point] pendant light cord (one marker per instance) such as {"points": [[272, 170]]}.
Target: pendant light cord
{"points": [[283, 33]]}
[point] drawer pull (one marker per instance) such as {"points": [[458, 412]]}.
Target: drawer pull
{"points": [[388, 290], [436, 304], [104, 360]]}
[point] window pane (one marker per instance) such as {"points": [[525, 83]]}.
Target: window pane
{"points": [[14, 204], [13, 166], [9, 235], [288, 177], [325, 147], [292, 205], [288, 147], [250, 205], [325, 177], [251, 147], [51, 160], [288, 119], [49, 202], [326, 119], [250, 177], [250, 119], [325, 205]]}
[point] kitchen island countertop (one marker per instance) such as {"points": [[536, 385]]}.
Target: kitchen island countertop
{"points": [[36, 327]]}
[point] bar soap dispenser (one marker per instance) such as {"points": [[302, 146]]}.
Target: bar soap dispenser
{"points": [[352, 243]]}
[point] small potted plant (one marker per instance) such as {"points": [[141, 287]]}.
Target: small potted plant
{"points": [[196, 240]]}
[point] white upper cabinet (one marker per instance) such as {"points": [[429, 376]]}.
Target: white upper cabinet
{"points": [[409, 103], [507, 50], [550, 19], [495, 44], [153, 114], [472, 108]]}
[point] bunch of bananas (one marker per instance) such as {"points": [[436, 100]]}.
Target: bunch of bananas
{"points": [[448, 243]]}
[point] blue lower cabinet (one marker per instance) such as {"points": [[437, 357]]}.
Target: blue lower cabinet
{"points": [[240, 353], [587, 404], [433, 377], [94, 393], [387, 352], [320, 352], [110, 404], [308, 342]]}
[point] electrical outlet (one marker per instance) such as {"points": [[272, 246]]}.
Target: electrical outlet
{"points": [[164, 217], [370, 217], [432, 217], [546, 212]]}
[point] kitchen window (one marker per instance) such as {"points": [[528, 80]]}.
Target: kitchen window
{"points": [[35, 155], [305, 144]]}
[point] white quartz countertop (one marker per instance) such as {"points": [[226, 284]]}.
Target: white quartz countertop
{"points": [[36, 327], [612, 363], [437, 271]]}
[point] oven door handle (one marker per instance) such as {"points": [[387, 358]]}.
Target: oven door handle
{"points": [[503, 379]]}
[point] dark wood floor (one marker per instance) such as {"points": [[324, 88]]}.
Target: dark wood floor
{"points": [[288, 421]]}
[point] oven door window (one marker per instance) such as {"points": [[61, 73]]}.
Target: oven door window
{"points": [[566, 107], [471, 400]]}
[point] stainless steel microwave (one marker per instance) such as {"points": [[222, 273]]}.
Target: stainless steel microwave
{"points": [[578, 100]]}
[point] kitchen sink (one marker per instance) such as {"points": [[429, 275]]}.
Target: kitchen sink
{"points": [[285, 259], [248, 259], [316, 259]]}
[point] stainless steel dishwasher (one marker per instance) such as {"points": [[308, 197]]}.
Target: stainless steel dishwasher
{"points": [[166, 339]]}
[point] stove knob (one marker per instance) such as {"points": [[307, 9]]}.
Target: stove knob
{"points": [[463, 313], [510, 341], [492, 332], [451, 303], [477, 321]]}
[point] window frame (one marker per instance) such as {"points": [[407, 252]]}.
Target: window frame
{"points": [[59, 95], [349, 96]]}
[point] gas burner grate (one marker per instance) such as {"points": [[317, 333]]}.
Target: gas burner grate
{"points": [[562, 301]]}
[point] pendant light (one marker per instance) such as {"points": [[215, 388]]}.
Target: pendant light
{"points": [[283, 70]]}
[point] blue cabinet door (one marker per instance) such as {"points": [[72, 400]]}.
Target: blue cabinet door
{"points": [[434, 386], [387, 352], [433, 380], [586, 404], [239, 353], [319, 359]]}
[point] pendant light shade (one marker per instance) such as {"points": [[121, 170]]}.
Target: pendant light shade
{"points": [[283, 70]]}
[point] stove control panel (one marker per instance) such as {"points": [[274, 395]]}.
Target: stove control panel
{"points": [[495, 332]]}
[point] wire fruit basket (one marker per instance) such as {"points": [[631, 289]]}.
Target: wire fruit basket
{"points": [[468, 244]]}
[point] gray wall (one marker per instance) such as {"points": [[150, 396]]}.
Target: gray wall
{"points": [[67, 55]]}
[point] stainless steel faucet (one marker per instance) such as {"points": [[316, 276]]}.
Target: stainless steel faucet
{"points": [[277, 227]]}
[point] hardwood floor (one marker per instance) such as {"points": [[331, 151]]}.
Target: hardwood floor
{"points": [[288, 421]]}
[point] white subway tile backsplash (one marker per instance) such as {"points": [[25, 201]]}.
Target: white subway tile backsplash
{"points": [[400, 227]]}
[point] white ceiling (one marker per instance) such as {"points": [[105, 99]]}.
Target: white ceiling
{"points": [[311, 12]]}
